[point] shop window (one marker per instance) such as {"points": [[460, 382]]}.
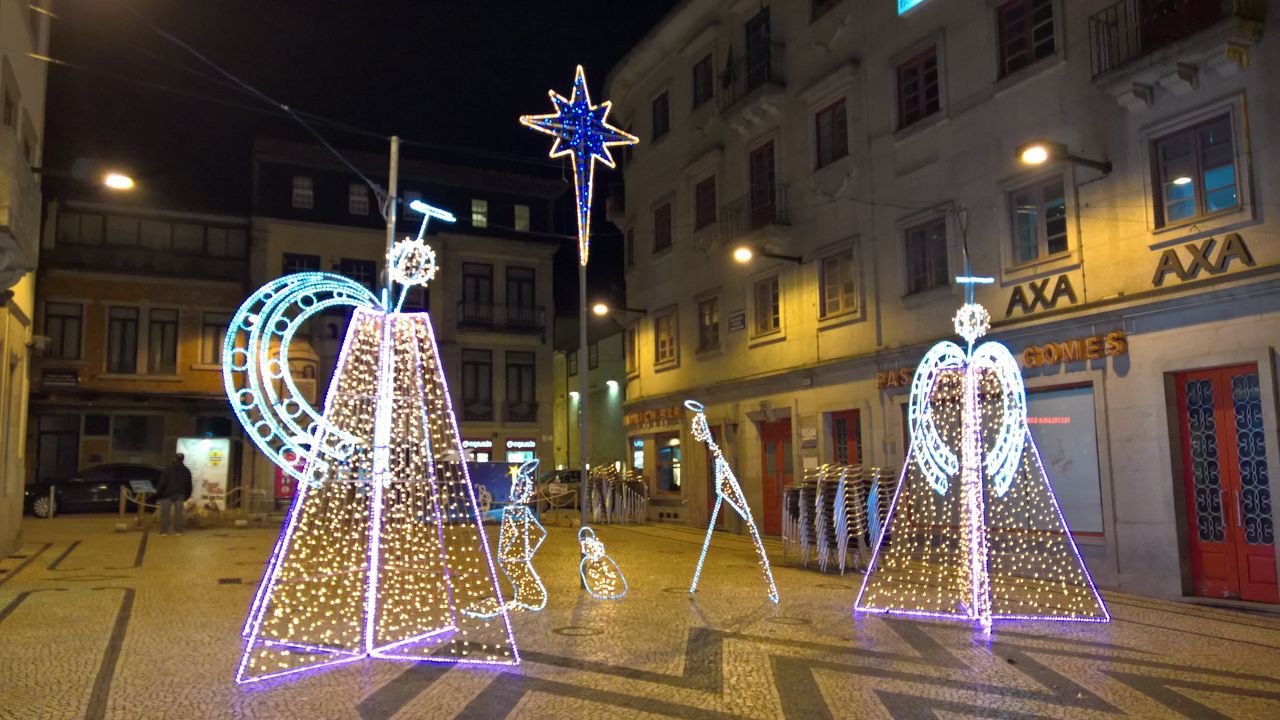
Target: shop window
{"points": [[162, 341], [1039, 220], [926, 251], [831, 134], [62, 325], [665, 346], [667, 474], [122, 340], [637, 454], [839, 283], [766, 306], [1195, 172], [704, 203], [479, 213], [661, 110], [97, 425], [662, 228], [1063, 425], [1026, 33], [213, 331], [709, 324], [137, 434], [918, 90], [213, 426], [477, 385], [522, 218], [703, 87], [358, 199], [304, 196]]}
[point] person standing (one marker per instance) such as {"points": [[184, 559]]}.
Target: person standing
{"points": [[172, 495]]}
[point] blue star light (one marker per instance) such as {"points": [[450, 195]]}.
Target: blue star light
{"points": [[582, 132]]}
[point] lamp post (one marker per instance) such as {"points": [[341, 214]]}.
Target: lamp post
{"points": [[582, 132], [744, 254], [1038, 152]]}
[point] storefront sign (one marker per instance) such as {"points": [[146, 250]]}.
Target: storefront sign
{"points": [[1076, 349], [207, 459], [895, 378], [1036, 296], [738, 321], [641, 419], [520, 444], [1199, 258]]}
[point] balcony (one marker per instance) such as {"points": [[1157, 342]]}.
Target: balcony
{"points": [[501, 318], [477, 409], [523, 412], [752, 89], [758, 210], [1138, 46], [19, 213]]}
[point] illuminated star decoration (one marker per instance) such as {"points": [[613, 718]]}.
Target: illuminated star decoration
{"points": [[974, 531], [581, 131]]}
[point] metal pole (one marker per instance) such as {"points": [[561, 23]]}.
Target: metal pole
{"points": [[583, 366], [392, 180]]}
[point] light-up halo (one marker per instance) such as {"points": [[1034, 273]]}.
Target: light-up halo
{"points": [[413, 262], [972, 321]]}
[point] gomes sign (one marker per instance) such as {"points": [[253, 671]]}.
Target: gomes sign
{"points": [[1076, 349]]}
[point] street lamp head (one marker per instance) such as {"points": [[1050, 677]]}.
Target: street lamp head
{"points": [[117, 181], [743, 254], [600, 309], [1035, 155]]}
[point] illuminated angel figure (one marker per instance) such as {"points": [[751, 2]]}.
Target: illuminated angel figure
{"points": [[383, 546], [516, 547], [599, 572], [727, 491], [974, 531]]}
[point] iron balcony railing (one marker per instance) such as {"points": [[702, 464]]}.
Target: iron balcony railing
{"points": [[1129, 29], [509, 318], [760, 67], [478, 409], [761, 207], [522, 411]]}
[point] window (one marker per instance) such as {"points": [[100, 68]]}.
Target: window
{"points": [[629, 240], [213, 330], [358, 199], [79, 229], [763, 205], [522, 218], [709, 324], [137, 434], [832, 134], [122, 340], [1026, 33], [704, 203], [703, 89], [304, 196], [918, 88], [664, 338], [477, 285], [477, 385], [62, 326], [522, 404], [224, 242], [768, 310], [97, 425], [416, 300], [926, 250], [572, 360], [637, 454], [122, 231], [593, 356], [520, 288], [661, 116], [820, 7], [479, 213], [839, 283], [662, 228], [633, 349], [295, 263], [668, 451], [1039, 221], [1066, 419], [364, 272], [162, 342], [1196, 172]]}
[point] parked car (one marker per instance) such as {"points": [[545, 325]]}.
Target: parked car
{"points": [[565, 477], [93, 489]]}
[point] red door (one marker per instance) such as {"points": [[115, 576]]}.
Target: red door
{"points": [[846, 438], [1228, 491], [775, 452]]}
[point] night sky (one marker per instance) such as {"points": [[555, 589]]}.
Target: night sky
{"points": [[454, 74]]}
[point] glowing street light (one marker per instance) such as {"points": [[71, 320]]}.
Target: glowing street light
{"points": [[1184, 180], [1039, 152], [600, 309], [117, 181], [1035, 155], [744, 254]]}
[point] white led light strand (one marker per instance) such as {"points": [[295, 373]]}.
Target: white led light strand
{"points": [[600, 574]]}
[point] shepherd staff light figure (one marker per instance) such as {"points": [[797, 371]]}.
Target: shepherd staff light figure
{"points": [[974, 531], [727, 491]]}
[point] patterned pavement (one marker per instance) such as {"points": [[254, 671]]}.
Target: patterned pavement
{"points": [[98, 624]]}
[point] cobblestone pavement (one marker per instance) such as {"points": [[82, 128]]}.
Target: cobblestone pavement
{"points": [[99, 624]]}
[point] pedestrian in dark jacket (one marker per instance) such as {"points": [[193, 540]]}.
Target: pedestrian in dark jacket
{"points": [[172, 493]]}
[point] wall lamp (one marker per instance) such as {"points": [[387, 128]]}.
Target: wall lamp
{"points": [[1038, 152], [601, 309], [744, 254]]}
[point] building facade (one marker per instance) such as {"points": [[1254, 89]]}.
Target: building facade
{"points": [[867, 155], [132, 308], [606, 374], [490, 302], [24, 32]]}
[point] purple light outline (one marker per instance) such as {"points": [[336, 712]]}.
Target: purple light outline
{"points": [[309, 648], [241, 680], [475, 510]]}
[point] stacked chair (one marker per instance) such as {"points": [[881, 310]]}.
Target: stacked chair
{"points": [[825, 515]]}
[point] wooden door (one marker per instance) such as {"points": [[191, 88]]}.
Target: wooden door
{"points": [[775, 452], [846, 438], [1228, 490]]}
